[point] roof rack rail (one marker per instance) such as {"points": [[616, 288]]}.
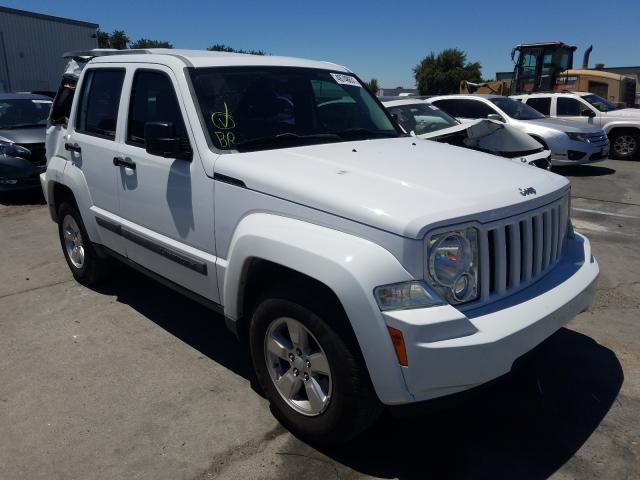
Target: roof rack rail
{"points": [[104, 52]]}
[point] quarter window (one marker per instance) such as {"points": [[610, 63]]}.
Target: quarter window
{"points": [[153, 99], [541, 104], [98, 111], [568, 107]]}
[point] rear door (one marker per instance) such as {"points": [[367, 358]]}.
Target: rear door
{"points": [[91, 146]]}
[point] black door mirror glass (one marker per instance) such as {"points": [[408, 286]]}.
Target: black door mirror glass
{"points": [[587, 112], [160, 139]]}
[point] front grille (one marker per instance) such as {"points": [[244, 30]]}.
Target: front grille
{"points": [[38, 154], [515, 252], [542, 163]]}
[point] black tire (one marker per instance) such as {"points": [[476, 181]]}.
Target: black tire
{"points": [[353, 405], [625, 144], [93, 268]]}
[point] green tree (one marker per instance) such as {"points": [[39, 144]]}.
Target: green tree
{"points": [[119, 40], [103, 40], [148, 43], [373, 86], [442, 73], [221, 47]]}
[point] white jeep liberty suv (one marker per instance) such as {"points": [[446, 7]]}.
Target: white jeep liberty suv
{"points": [[363, 267]]}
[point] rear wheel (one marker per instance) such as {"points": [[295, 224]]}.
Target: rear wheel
{"points": [[85, 264], [625, 144], [312, 375]]}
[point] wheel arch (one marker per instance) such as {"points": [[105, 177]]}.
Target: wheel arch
{"points": [[341, 267]]}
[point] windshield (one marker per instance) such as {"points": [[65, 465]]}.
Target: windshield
{"points": [[517, 110], [23, 112], [421, 118], [260, 108], [600, 103]]}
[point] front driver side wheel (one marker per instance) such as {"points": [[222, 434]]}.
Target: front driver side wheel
{"points": [[310, 368]]}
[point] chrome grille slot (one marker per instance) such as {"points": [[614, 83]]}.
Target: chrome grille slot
{"points": [[515, 252]]}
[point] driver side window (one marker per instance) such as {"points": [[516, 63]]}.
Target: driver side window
{"points": [[569, 107], [153, 99]]}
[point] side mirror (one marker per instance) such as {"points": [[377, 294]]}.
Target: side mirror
{"points": [[587, 112], [160, 139], [496, 117]]}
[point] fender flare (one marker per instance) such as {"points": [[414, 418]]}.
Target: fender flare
{"points": [[621, 124], [350, 266], [60, 170]]}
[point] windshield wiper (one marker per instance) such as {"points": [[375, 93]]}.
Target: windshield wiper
{"points": [[287, 139], [366, 133]]}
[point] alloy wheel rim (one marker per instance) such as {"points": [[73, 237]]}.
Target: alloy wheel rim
{"points": [[298, 366], [625, 145], [73, 241]]}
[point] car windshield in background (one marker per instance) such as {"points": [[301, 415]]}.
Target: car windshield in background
{"points": [[517, 110], [261, 108], [23, 112], [421, 118], [600, 103]]}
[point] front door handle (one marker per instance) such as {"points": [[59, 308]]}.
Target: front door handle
{"points": [[71, 147], [124, 162]]}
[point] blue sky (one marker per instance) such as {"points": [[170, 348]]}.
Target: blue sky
{"points": [[374, 38]]}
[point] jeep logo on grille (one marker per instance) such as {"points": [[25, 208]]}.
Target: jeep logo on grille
{"points": [[527, 191]]}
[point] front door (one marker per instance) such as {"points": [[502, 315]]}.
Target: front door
{"points": [[573, 109], [166, 204], [91, 145]]}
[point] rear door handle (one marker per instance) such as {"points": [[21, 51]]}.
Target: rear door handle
{"points": [[124, 162], [72, 147]]}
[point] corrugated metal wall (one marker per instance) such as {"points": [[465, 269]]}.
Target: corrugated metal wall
{"points": [[31, 50]]}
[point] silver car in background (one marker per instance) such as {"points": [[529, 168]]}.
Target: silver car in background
{"points": [[571, 143], [428, 122]]}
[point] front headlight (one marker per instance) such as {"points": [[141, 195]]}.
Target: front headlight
{"points": [[580, 137], [452, 265], [8, 149]]}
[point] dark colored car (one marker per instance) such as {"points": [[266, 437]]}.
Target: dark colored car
{"points": [[23, 121]]}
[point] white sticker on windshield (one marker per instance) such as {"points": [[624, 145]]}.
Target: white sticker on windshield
{"points": [[346, 79], [41, 101]]}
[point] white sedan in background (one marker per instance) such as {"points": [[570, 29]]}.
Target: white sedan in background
{"points": [[429, 122]]}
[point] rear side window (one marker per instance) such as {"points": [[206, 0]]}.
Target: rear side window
{"points": [[568, 107], [98, 110], [465, 108], [541, 104], [153, 99]]}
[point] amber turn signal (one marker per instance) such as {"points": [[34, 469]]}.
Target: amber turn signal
{"points": [[398, 344]]}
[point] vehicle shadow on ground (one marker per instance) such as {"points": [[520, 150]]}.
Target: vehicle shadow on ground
{"points": [[526, 426], [194, 324], [584, 171]]}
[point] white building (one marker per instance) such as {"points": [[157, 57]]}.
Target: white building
{"points": [[31, 48]]}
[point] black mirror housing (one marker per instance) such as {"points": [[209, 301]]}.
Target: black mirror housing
{"points": [[160, 139], [587, 112]]}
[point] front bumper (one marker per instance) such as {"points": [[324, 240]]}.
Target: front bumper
{"points": [[19, 174], [579, 153], [450, 351]]}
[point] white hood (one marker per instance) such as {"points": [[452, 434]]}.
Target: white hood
{"points": [[399, 185], [630, 113]]}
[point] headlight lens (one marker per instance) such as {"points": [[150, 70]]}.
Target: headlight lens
{"points": [[401, 296], [580, 137], [453, 265], [8, 149]]}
